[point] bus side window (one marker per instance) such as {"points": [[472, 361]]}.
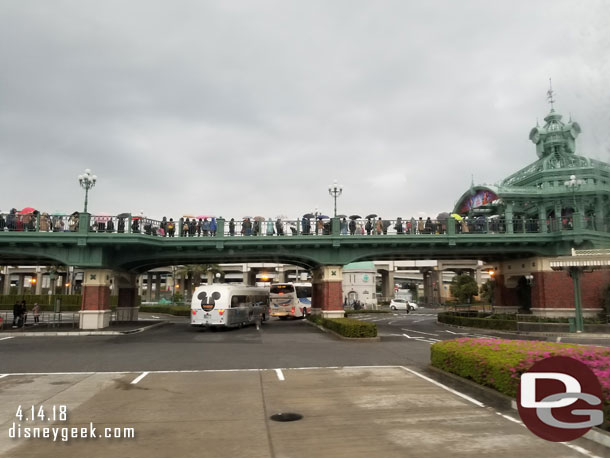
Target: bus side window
{"points": [[238, 301]]}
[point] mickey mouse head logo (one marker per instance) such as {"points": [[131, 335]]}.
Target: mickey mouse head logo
{"points": [[208, 303]]}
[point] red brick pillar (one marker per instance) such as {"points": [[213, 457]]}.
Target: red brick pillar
{"points": [[95, 308], [127, 306], [327, 295]]}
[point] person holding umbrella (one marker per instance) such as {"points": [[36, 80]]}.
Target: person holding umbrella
{"points": [[379, 226], [343, 226], [232, 227], [398, 227], [352, 226]]}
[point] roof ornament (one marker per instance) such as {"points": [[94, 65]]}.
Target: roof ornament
{"points": [[550, 94]]}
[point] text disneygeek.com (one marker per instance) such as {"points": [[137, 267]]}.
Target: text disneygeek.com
{"points": [[66, 433]]}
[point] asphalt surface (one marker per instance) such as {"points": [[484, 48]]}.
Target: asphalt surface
{"points": [[385, 413], [405, 340]]}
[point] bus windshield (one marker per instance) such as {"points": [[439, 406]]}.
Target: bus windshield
{"points": [[281, 289]]}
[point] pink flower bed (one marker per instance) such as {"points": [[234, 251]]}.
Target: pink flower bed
{"points": [[499, 363]]}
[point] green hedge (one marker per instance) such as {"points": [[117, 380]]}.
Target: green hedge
{"points": [[178, 310], [476, 321], [499, 363], [346, 327], [355, 312]]}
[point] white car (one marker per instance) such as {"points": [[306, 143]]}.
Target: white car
{"points": [[401, 304]]}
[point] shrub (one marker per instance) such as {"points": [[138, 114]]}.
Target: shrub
{"points": [[346, 327], [499, 363], [464, 287], [476, 321]]}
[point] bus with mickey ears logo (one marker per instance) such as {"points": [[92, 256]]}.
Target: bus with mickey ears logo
{"points": [[222, 305]]}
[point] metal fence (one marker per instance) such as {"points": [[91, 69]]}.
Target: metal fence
{"points": [[260, 227], [45, 319]]}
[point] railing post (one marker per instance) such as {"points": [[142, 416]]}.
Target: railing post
{"points": [[335, 226], [180, 226], [83, 222], [37, 221], [128, 224], [298, 227], [451, 225], [220, 227], [577, 221]]}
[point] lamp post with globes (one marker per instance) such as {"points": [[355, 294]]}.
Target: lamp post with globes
{"points": [[87, 181], [574, 184], [335, 190]]}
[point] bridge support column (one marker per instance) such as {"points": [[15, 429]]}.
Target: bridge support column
{"points": [[387, 284], [95, 309], [327, 295], [127, 308]]}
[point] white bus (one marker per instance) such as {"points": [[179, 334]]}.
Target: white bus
{"points": [[290, 299], [229, 306]]}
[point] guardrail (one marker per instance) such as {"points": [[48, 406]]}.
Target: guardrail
{"points": [[260, 227]]}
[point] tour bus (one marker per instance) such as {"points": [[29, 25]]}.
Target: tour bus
{"points": [[222, 305], [290, 299]]}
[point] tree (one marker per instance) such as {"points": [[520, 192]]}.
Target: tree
{"points": [[195, 271], [464, 288], [487, 291]]}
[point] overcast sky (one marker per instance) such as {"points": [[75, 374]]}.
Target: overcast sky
{"points": [[236, 108]]}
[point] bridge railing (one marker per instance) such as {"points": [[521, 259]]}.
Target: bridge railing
{"points": [[125, 223]]}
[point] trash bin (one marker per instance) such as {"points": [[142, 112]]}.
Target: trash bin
{"points": [[572, 322]]}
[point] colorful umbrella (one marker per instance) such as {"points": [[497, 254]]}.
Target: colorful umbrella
{"points": [[102, 217], [456, 216], [204, 217], [27, 211], [188, 216], [322, 217]]}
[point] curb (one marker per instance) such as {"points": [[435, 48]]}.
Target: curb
{"points": [[580, 335], [83, 333], [502, 401], [350, 339]]}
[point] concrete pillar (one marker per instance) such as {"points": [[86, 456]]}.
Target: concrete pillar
{"points": [[209, 276], [508, 217], [38, 287], [127, 290], [387, 284], [95, 309], [115, 288], [542, 227], [7, 281], [158, 287], [327, 295], [20, 283], [149, 287]]}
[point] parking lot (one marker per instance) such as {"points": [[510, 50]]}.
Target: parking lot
{"points": [[351, 411]]}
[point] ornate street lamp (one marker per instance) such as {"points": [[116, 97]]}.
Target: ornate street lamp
{"points": [[87, 181], [574, 184], [335, 190]]}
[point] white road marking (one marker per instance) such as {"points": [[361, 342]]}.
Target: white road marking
{"points": [[140, 377], [457, 333], [514, 420], [451, 390], [5, 338], [156, 316], [3, 375], [580, 450], [420, 332], [280, 374]]}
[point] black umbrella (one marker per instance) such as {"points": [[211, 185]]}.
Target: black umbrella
{"points": [[386, 223], [341, 216], [355, 217], [123, 215], [309, 215], [322, 217], [372, 215], [444, 216]]}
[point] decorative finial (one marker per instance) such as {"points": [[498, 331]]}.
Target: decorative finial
{"points": [[549, 95]]}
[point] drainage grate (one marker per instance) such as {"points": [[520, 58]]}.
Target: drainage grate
{"points": [[288, 416]]}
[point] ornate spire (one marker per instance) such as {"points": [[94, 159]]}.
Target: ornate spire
{"points": [[549, 95]]}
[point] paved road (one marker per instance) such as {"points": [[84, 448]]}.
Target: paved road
{"points": [[358, 398]]}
